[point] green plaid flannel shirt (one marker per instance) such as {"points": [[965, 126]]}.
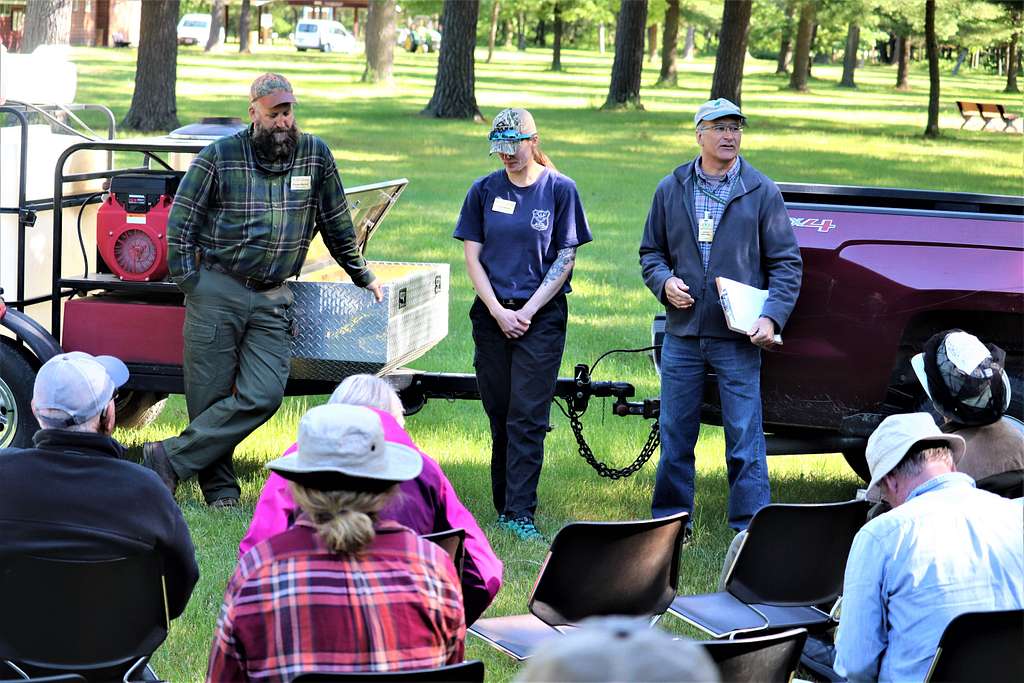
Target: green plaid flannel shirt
{"points": [[256, 219]]}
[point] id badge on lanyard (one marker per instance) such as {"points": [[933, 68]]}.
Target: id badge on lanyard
{"points": [[705, 228]]}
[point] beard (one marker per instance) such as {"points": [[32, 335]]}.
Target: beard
{"points": [[275, 145]]}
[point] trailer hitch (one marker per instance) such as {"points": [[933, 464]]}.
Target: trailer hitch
{"points": [[415, 388]]}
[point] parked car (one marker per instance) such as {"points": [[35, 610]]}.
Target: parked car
{"points": [[194, 29], [323, 35]]}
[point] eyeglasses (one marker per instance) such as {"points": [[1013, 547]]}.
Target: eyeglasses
{"points": [[508, 135], [722, 128]]}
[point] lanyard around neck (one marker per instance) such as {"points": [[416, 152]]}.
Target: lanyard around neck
{"points": [[708, 193]]}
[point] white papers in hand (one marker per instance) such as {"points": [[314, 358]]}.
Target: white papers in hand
{"points": [[742, 305]]}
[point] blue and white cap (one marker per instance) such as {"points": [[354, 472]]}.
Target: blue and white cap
{"points": [[716, 109], [76, 386]]}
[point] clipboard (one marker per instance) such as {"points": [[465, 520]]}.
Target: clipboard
{"points": [[741, 304]]}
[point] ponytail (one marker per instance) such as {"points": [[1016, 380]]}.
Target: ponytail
{"points": [[343, 519], [541, 158]]}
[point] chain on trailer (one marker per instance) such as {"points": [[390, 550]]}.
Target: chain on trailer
{"points": [[576, 406]]}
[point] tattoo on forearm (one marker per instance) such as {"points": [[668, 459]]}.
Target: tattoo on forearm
{"points": [[563, 262]]}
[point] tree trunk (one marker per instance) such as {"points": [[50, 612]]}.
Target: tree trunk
{"points": [[850, 56], [801, 56], [1011, 65], [47, 22], [556, 50], [732, 50], [652, 42], [902, 60], [380, 41], [521, 29], [627, 67], [495, 10], [669, 45], [600, 38], [154, 106], [811, 51], [541, 36], [931, 44], [690, 43], [786, 42], [243, 28], [454, 88], [508, 34], [216, 23]]}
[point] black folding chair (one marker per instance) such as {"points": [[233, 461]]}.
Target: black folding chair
{"points": [[761, 659], [60, 678], [454, 543], [594, 569], [101, 619], [981, 646], [466, 672], [792, 561]]}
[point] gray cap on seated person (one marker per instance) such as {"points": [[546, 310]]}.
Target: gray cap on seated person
{"points": [[618, 649], [346, 441], [76, 386], [893, 439]]}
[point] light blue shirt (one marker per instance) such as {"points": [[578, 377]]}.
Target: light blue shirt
{"points": [[948, 549]]}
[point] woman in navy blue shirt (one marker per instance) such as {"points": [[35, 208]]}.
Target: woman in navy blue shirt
{"points": [[520, 228]]}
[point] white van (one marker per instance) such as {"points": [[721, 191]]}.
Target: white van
{"points": [[323, 35], [194, 29]]}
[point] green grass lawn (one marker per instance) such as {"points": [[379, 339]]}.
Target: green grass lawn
{"points": [[868, 136]]}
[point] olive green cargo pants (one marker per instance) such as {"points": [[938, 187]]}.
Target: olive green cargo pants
{"points": [[237, 351]]}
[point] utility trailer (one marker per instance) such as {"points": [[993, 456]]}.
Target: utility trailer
{"points": [[124, 306]]}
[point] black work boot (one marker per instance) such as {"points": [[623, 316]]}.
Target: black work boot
{"points": [[155, 458]]}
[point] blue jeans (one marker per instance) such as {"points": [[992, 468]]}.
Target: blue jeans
{"points": [[737, 363]]}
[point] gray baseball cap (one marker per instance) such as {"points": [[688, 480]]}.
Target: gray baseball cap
{"points": [[78, 385], [618, 649], [341, 442], [716, 109]]}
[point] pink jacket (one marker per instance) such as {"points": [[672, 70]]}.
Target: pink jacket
{"points": [[426, 504]]}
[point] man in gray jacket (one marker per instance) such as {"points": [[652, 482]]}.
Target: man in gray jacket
{"points": [[716, 216]]}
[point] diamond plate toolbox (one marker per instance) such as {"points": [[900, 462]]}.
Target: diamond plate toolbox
{"points": [[340, 330]]}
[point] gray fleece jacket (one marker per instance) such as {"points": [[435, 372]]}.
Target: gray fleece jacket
{"points": [[754, 244]]}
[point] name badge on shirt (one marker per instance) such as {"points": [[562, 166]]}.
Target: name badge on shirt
{"points": [[503, 205], [301, 182], [705, 229]]}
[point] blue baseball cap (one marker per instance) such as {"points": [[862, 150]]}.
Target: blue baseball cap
{"points": [[716, 109]]}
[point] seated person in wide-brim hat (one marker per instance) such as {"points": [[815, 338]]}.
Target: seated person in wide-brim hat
{"points": [[341, 590]]}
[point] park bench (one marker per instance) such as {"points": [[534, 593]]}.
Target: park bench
{"points": [[987, 112]]}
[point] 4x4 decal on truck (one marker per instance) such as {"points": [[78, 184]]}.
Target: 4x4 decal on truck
{"points": [[822, 224]]}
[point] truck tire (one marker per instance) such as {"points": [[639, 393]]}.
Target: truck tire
{"points": [[17, 377], [857, 461], [138, 408]]}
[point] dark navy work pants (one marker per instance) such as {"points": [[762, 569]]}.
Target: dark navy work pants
{"points": [[516, 379]]}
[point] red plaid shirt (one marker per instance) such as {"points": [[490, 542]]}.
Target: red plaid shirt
{"points": [[293, 606]]}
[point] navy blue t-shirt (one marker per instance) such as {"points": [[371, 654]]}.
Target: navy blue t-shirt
{"points": [[522, 229]]}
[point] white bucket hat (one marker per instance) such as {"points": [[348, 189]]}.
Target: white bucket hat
{"points": [[348, 441], [894, 438]]}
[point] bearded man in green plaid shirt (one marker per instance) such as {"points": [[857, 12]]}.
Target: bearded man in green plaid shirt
{"points": [[240, 226]]}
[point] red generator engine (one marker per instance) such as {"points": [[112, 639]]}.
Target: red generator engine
{"points": [[131, 226]]}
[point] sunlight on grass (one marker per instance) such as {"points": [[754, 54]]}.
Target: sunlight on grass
{"points": [[868, 136]]}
